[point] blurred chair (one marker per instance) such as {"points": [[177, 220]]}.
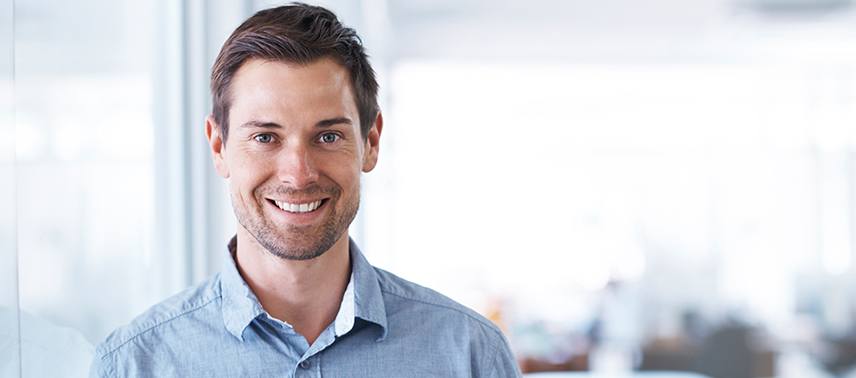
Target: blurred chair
{"points": [[638, 374], [573, 363], [733, 351]]}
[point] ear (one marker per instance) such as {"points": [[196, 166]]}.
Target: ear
{"points": [[218, 146], [372, 144]]}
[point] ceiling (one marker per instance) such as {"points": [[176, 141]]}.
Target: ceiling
{"points": [[611, 30]]}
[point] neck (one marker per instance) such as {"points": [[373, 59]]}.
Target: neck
{"points": [[304, 293]]}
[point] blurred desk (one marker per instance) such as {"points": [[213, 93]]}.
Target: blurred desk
{"points": [[635, 374]]}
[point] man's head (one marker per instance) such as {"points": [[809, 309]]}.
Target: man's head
{"points": [[296, 33], [286, 90]]}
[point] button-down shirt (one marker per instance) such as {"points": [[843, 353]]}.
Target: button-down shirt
{"points": [[385, 327]]}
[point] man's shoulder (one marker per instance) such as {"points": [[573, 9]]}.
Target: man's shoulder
{"points": [[409, 295], [421, 310], [173, 309]]}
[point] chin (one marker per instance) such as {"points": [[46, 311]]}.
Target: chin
{"points": [[299, 247]]}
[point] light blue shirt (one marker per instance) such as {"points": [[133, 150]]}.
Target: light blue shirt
{"points": [[385, 327]]}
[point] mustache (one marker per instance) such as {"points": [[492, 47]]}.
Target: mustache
{"points": [[308, 191]]}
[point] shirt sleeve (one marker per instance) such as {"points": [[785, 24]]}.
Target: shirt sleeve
{"points": [[495, 357], [101, 367], [504, 363]]}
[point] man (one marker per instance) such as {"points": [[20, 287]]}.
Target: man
{"points": [[295, 122]]}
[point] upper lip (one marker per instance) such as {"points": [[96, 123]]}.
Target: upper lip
{"points": [[296, 201]]}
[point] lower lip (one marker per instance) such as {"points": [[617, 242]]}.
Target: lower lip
{"points": [[299, 218]]}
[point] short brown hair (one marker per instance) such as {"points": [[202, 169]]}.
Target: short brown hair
{"points": [[295, 33]]}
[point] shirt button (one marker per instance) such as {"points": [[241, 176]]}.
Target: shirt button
{"points": [[304, 364]]}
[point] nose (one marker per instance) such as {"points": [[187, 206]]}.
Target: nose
{"points": [[296, 166]]}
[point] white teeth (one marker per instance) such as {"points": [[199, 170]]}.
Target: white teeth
{"points": [[298, 207]]}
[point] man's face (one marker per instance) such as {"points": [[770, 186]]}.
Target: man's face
{"points": [[294, 154]]}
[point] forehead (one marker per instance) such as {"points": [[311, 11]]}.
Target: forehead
{"points": [[275, 89]]}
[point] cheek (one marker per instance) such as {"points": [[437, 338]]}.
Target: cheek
{"points": [[236, 190], [353, 188], [244, 182], [347, 176]]}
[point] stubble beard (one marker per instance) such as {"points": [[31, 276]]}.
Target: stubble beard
{"points": [[300, 243]]}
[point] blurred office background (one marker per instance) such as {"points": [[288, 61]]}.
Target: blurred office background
{"points": [[655, 185]]}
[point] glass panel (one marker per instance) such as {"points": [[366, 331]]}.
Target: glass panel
{"points": [[10, 361], [84, 106]]}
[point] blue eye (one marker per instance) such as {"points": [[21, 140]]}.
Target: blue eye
{"points": [[263, 138], [329, 138]]}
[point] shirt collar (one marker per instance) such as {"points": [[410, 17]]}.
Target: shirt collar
{"points": [[344, 321], [368, 299], [240, 305], [362, 298]]}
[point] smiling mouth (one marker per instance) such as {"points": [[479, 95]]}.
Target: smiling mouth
{"points": [[298, 208]]}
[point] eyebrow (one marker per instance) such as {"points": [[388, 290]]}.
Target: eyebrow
{"points": [[264, 125], [334, 121], [322, 123]]}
